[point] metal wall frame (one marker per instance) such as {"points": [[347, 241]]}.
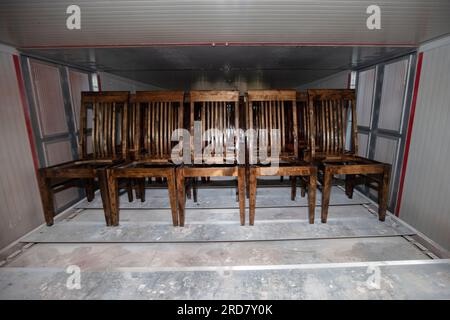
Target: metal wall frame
{"points": [[72, 134], [374, 131]]}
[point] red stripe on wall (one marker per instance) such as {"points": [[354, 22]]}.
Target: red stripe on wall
{"points": [[409, 132], [25, 109]]}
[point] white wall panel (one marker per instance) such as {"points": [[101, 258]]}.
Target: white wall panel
{"points": [[78, 81], [386, 150], [48, 98], [363, 140], [20, 209], [426, 197], [392, 93], [58, 152], [364, 97]]}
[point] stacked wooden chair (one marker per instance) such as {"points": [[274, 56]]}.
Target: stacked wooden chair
{"points": [[109, 127], [329, 111], [157, 115], [276, 109], [215, 110]]}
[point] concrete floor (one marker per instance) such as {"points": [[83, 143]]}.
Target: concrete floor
{"points": [[353, 256]]}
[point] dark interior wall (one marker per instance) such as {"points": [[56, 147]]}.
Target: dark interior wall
{"points": [[222, 67]]}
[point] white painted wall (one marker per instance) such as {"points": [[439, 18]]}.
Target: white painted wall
{"points": [[425, 202], [20, 206], [336, 81]]}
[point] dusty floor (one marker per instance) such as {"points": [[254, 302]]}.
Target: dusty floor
{"points": [[353, 256]]}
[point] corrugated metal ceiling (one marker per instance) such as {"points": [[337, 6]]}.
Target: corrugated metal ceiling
{"points": [[32, 23]]}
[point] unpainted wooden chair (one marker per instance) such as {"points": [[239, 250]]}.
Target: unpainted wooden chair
{"points": [[330, 110], [158, 114], [108, 126], [276, 110]]}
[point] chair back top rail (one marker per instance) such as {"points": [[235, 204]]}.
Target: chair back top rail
{"points": [[217, 110], [108, 125], [329, 110], [273, 109], [158, 115], [104, 96], [213, 96]]}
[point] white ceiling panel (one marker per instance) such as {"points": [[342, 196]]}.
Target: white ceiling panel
{"points": [[37, 23]]}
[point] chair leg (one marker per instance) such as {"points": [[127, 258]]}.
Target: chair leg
{"points": [[129, 186], [194, 189], [136, 188], [247, 182], [293, 187], [89, 189], [142, 189], [188, 190], [303, 187], [171, 185], [113, 189], [241, 194], [349, 185], [181, 197], [252, 196], [312, 186], [383, 194], [103, 185], [46, 197], [326, 191]]}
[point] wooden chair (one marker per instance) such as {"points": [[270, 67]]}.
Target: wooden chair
{"points": [[276, 109], [109, 126], [216, 110], [158, 114], [330, 110]]}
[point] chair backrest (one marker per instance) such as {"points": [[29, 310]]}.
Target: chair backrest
{"points": [[109, 124], [330, 110], [273, 109], [158, 114], [216, 110], [303, 121]]}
